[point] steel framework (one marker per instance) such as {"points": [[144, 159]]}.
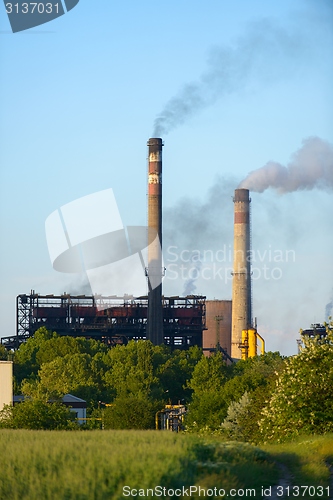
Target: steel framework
{"points": [[113, 320]]}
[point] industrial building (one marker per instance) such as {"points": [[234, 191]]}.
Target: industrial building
{"points": [[179, 322], [113, 320]]}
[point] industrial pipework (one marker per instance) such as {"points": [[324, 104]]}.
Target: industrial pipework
{"points": [[155, 271], [241, 283], [249, 346]]}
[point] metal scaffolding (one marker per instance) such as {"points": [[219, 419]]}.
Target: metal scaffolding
{"points": [[113, 320]]}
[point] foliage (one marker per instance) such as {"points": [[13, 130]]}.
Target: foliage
{"points": [[69, 374], [131, 412], [308, 458], [174, 371], [25, 359], [216, 386], [207, 407], [37, 414], [131, 369], [3, 353], [98, 464], [139, 376], [142, 369], [45, 346], [302, 402], [237, 416]]}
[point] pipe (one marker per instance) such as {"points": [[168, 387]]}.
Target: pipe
{"points": [[262, 343]]}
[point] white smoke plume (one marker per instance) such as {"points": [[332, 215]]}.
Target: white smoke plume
{"points": [[310, 167], [266, 52]]}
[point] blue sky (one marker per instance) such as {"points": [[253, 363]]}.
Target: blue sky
{"points": [[79, 97]]}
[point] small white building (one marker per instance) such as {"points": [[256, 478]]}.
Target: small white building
{"points": [[77, 406], [6, 383]]}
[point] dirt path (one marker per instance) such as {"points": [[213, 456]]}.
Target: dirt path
{"points": [[330, 467], [285, 480]]}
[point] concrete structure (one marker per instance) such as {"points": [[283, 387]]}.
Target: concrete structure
{"points": [[155, 309], [6, 383], [241, 283], [218, 326]]}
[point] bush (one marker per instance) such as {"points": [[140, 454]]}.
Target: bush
{"points": [[36, 414], [131, 412], [302, 402]]}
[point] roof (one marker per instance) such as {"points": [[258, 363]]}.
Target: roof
{"points": [[69, 398]]}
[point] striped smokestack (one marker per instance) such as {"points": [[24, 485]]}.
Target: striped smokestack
{"points": [[241, 284], [155, 308]]}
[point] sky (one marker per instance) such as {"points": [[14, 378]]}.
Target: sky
{"points": [[231, 87]]}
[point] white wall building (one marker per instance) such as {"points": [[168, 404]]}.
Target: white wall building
{"points": [[77, 406], [6, 383]]}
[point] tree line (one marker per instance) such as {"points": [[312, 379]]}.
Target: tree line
{"points": [[264, 398]]}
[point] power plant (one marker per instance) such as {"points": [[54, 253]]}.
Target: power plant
{"points": [[180, 322]]}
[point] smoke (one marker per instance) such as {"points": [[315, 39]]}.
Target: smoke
{"points": [[194, 231], [266, 52], [329, 309], [310, 167], [78, 285], [190, 286]]}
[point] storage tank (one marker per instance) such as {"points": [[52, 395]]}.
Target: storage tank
{"points": [[218, 324]]}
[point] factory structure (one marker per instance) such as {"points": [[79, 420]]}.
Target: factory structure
{"points": [[178, 321]]}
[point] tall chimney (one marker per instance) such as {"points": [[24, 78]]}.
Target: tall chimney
{"points": [[241, 283], [155, 308]]}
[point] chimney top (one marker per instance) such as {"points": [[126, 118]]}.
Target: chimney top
{"points": [[242, 195], [155, 141]]}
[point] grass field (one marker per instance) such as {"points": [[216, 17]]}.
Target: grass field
{"points": [[97, 465], [308, 459]]}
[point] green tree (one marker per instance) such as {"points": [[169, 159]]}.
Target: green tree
{"points": [[3, 353], [143, 377], [237, 416], [46, 346], [302, 402], [25, 359], [37, 414], [217, 387], [69, 374], [131, 370], [130, 412], [208, 407], [175, 373]]}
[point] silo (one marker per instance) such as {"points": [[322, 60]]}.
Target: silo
{"points": [[218, 324]]}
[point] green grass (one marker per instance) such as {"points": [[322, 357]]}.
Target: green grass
{"points": [[308, 459], [95, 465]]}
